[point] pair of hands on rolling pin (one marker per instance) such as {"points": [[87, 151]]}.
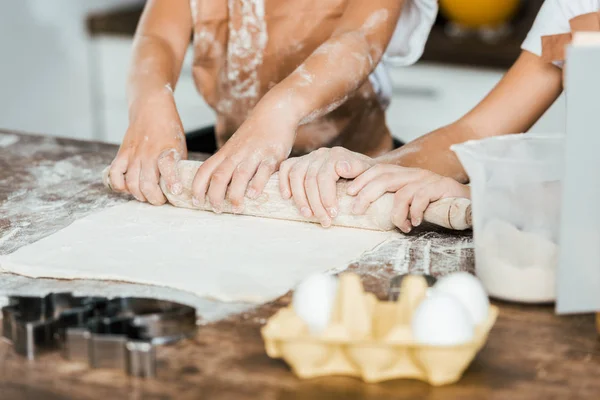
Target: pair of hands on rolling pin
{"points": [[153, 146], [311, 182], [155, 142]]}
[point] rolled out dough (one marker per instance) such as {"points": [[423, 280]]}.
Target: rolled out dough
{"points": [[225, 257]]}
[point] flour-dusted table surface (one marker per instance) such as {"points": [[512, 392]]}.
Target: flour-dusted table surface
{"points": [[46, 183]]}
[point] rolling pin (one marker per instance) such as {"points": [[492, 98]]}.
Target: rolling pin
{"points": [[450, 213]]}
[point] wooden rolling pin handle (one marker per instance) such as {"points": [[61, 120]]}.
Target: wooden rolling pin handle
{"points": [[450, 213], [598, 322]]}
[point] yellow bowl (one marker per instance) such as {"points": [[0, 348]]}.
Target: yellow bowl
{"points": [[479, 13]]}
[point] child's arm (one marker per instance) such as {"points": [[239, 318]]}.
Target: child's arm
{"points": [[154, 140], [334, 70], [523, 95], [514, 105]]}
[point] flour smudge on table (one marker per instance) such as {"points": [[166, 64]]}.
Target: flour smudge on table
{"points": [[429, 251], [43, 196], [7, 140]]}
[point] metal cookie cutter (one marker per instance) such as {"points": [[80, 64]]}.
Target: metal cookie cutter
{"points": [[396, 285], [36, 324], [106, 333]]}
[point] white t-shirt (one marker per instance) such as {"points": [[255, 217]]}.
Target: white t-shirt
{"points": [[407, 43], [553, 19]]}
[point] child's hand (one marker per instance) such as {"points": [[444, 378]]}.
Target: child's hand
{"points": [[414, 189], [153, 144], [411, 201], [245, 163], [311, 179]]}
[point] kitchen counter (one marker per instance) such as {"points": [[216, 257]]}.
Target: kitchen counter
{"points": [[531, 352]]}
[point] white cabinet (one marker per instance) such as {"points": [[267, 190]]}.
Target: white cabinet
{"points": [[427, 97], [112, 57], [46, 70]]}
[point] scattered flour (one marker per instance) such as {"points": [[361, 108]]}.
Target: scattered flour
{"points": [[194, 9], [306, 77], [206, 43], [375, 20], [425, 252], [245, 48], [7, 140], [64, 190]]}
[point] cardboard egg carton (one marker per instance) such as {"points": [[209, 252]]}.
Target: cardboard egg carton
{"points": [[370, 339]]}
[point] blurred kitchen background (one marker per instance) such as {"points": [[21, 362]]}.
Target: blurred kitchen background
{"points": [[65, 62]]}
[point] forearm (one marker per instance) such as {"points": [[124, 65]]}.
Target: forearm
{"points": [[513, 106], [153, 74], [328, 76], [432, 151], [159, 47], [340, 65]]}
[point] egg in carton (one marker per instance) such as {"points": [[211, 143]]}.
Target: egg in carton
{"points": [[371, 339]]}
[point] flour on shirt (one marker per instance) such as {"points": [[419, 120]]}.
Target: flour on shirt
{"points": [[245, 49]]}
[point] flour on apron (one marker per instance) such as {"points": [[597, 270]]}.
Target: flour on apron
{"points": [[245, 47]]}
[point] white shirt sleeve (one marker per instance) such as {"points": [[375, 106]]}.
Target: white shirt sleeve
{"points": [[413, 28], [553, 19]]}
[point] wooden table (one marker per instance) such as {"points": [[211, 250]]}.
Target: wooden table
{"points": [[531, 352]]}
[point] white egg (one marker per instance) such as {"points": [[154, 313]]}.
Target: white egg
{"points": [[469, 291], [313, 301], [441, 320]]}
